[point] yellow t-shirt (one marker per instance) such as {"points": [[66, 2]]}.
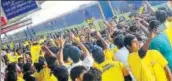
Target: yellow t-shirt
{"points": [[20, 77], [44, 75], [35, 52], [150, 68], [11, 58], [108, 54], [112, 70], [17, 56]]}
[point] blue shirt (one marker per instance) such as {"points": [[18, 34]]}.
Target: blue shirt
{"points": [[162, 44]]}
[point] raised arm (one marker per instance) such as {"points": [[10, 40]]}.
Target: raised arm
{"points": [[145, 47], [48, 51], [83, 48], [107, 24], [99, 37], [144, 26], [60, 53]]}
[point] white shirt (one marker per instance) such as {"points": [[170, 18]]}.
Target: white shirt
{"points": [[87, 62], [122, 55]]}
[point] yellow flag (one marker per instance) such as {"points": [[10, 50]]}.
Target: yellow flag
{"points": [[35, 52]]}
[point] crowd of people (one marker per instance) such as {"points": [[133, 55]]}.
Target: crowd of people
{"points": [[136, 50]]}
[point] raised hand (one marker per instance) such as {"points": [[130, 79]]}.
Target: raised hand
{"points": [[72, 36], [45, 48], [62, 42], [98, 35]]}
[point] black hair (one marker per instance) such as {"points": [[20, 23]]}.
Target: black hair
{"points": [[39, 66], [128, 39], [89, 46], [61, 73], [138, 36], [76, 72], [133, 28], [117, 32], [74, 53], [20, 64], [161, 15], [100, 44], [119, 41], [26, 67], [65, 53], [17, 50], [98, 54], [154, 24], [27, 74], [11, 74], [92, 75]]}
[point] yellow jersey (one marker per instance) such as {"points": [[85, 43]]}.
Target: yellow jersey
{"points": [[108, 54], [112, 70], [45, 75], [20, 77], [149, 68], [11, 58], [35, 52]]}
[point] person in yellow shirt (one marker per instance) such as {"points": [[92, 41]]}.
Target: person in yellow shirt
{"points": [[10, 56], [43, 71], [18, 54], [112, 70], [59, 72], [103, 44], [150, 67]]}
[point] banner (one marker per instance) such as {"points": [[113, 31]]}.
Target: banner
{"points": [[106, 9], [14, 8], [16, 26]]}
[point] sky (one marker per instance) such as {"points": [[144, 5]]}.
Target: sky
{"points": [[51, 9]]}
